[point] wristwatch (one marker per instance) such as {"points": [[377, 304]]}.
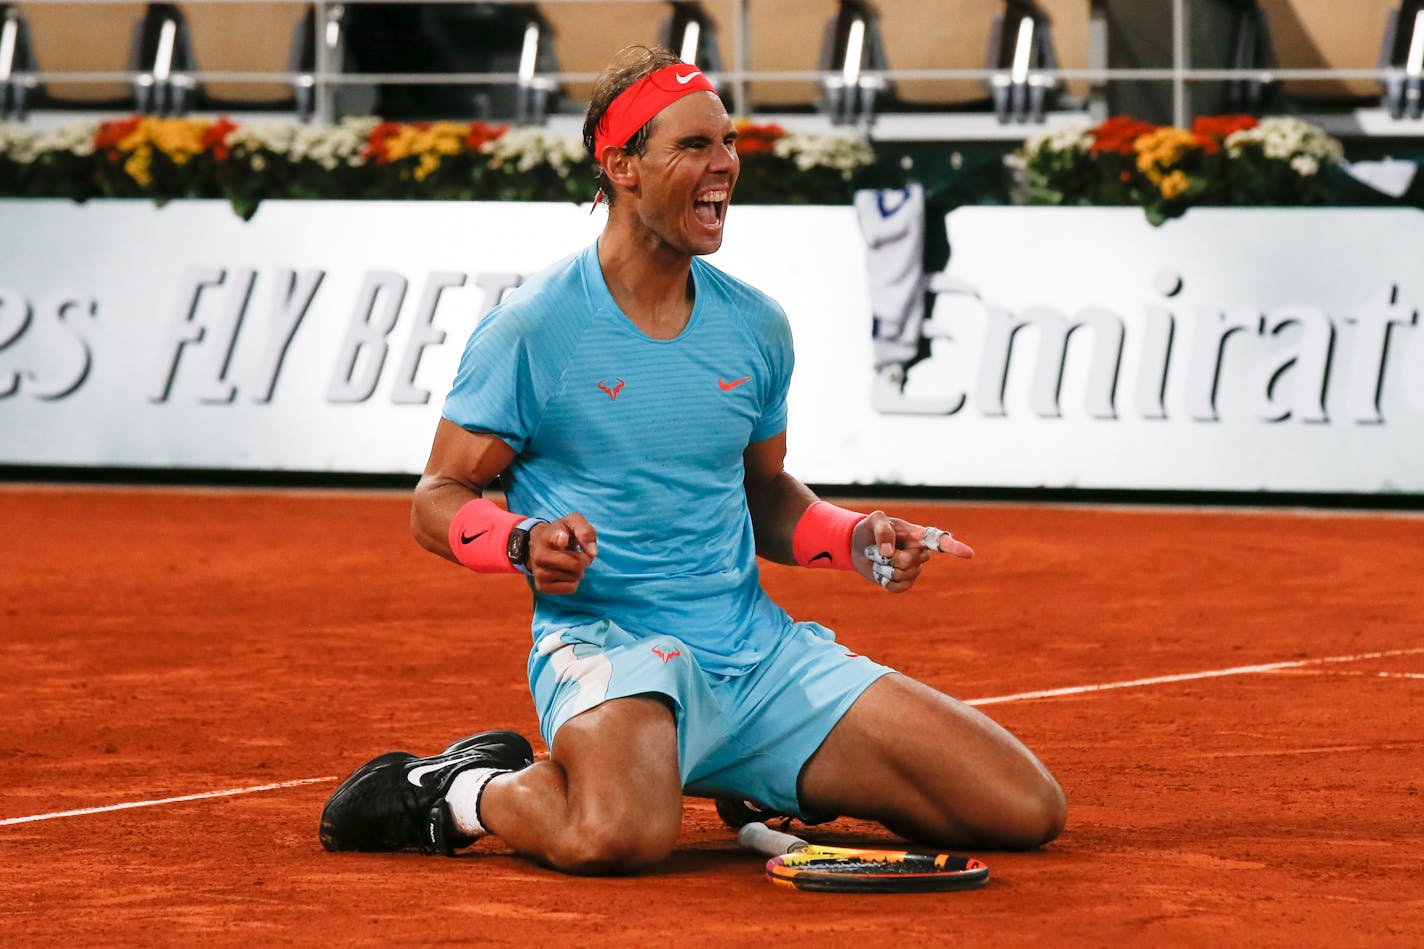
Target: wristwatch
{"points": [[517, 548]]}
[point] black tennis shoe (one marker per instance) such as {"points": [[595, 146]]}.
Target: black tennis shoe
{"points": [[397, 800], [736, 813]]}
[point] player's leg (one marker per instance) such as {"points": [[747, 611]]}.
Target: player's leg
{"points": [[608, 800], [932, 769]]}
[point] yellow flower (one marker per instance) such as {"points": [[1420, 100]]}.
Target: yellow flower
{"points": [[401, 144], [447, 138], [1173, 184], [428, 163], [138, 165], [1160, 149], [179, 139], [432, 142]]}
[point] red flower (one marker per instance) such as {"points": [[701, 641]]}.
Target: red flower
{"points": [[1118, 133], [215, 137], [1220, 126], [480, 133], [110, 134]]}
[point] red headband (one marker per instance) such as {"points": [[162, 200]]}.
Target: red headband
{"points": [[644, 99]]}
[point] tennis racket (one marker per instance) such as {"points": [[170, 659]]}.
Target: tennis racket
{"points": [[806, 866]]}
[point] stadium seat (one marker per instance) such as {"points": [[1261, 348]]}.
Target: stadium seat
{"points": [[586, 35], [246, 37], [1327, 34], [959, 34], [71, 38], [787, 35], [951, 35], [714, 21], [1070, 19]]}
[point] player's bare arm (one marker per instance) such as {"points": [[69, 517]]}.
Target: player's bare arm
{"points": [[462, 465], [778, 501]]}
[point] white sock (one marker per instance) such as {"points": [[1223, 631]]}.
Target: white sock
{"points": [[464, 798]]}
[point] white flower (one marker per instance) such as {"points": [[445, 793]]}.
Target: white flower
{"points": [[527, 149], [328, 146], [1285, 139], [1305, 165], [840, 153], [1070, 138], [26, 145], [74, 139]]}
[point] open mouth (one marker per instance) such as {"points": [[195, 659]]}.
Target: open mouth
{"points": [[710, 207]]}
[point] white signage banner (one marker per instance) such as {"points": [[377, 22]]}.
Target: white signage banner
{"points": [[1229, 350], [319, 336], [1262, 349]]}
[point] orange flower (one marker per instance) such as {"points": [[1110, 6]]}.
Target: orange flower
{"points": [[1174, 185], [753, 139], [378, 142]]}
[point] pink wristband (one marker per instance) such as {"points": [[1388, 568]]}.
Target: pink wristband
{"points": [[479, 536], [822, 537]]}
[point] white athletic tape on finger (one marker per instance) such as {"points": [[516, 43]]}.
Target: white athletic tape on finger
{"points": [[881, 568], [932, 538]]}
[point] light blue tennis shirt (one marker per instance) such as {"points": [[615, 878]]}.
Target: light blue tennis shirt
{"points": [[643, 437]]}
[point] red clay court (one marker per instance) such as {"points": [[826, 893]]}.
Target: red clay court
{"points": [[1233, 701]]}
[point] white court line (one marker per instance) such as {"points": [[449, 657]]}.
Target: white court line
{"points": [[1190, 676], [1353, 672], [230, 792], [995, 700]]}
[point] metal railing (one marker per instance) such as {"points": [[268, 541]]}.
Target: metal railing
{"points": [[1405, 82]]}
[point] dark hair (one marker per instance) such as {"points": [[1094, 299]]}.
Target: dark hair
{"points": [[629, 65]]}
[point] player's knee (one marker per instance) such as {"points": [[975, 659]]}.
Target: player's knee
{"points": [[1018, 818], [611, 853], [1032, 817], [615, 847], [1045, 812]]}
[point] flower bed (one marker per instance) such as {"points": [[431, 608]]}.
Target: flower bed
{"points": [[1221, 160], [365, 158]]}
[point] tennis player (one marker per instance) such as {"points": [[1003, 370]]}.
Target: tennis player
{"points": [[631, 402]]}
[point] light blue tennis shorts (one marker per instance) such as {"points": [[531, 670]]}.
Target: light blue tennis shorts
{"points": [[746, 736]]}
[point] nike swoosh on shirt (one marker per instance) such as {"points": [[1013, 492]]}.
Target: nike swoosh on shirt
{"points": [[684, 80], [729, 386]]}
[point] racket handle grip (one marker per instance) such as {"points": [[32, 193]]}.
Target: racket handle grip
{"points": [[761, 839]]}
